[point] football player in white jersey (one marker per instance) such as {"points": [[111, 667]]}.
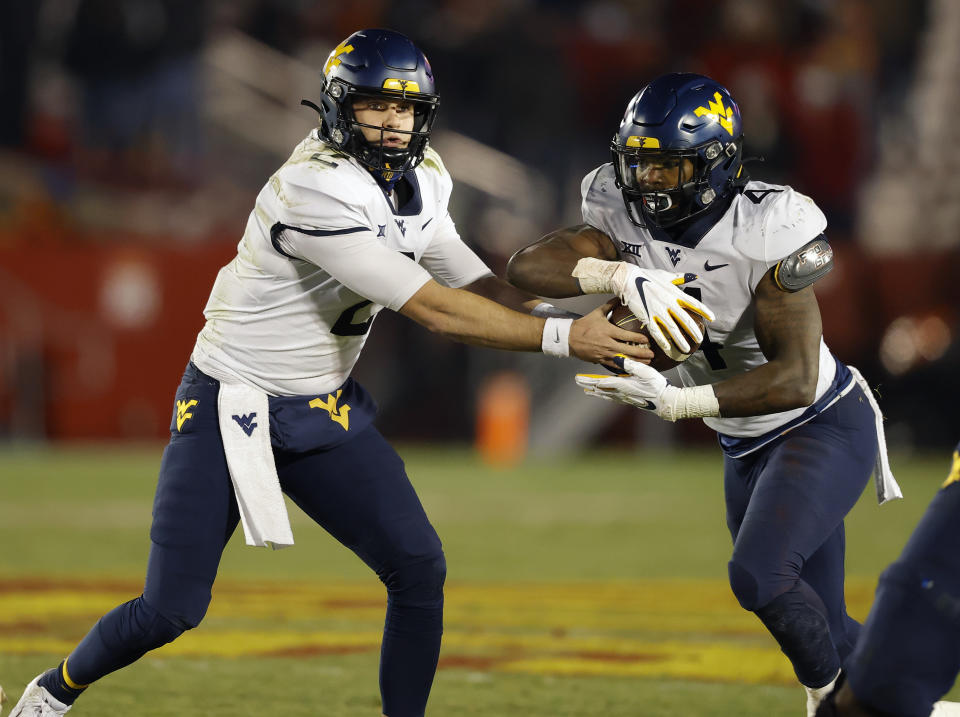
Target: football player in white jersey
{"points": [[356, 220], [799, 429]]}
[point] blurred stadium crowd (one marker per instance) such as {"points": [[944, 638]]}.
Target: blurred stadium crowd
{"points": [[136, 133]]}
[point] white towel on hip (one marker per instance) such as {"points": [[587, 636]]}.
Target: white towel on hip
{"points": [[886, 484], [245, 429]]}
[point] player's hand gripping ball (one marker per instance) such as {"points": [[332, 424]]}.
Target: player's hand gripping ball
{"points": [[662, 360]]}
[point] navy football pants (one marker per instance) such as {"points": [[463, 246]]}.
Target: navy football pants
{"points": [[909, 653], [785, 508], [357, 491]]}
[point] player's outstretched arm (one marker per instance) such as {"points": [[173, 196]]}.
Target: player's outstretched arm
{"points": [[469, 318], [496, 289], [788, 329], [546, 267]]}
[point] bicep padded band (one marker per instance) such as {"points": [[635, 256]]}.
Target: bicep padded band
{"points": [[804, 266]]}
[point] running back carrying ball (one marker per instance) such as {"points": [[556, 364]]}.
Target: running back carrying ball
{"points": [[662, 360]]}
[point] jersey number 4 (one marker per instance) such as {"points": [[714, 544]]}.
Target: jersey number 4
{"points": [[711, 349]]}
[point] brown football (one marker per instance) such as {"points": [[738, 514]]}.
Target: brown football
{"points": [[624, 318]]}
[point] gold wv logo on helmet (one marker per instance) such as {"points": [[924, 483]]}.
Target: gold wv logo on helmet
{"points": [[342, 49], [392, 83], [718, 113]]}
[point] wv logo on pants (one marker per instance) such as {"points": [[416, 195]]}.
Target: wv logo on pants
{"points": [[337, 414], [183, 412], [246, 422]]}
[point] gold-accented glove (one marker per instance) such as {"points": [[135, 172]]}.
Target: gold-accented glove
{"points": [[646, 388], [651, 294]]}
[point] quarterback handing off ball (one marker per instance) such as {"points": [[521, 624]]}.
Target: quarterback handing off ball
{"points": [[662, 360]]}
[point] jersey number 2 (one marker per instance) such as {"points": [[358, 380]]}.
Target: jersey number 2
{"points": [[710, 349], [344, 325]]}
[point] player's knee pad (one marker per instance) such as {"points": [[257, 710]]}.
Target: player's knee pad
{"points": [[140, 625], [163, 631], [801, 629], [754, 589], [182, 601], [743, 584], [420, 583]]}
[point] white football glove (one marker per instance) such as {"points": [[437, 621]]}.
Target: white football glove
{"points": [[646, 388], [651, 294]]}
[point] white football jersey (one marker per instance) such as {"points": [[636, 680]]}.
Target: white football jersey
{"points": [[324, 250], [764, 224]]}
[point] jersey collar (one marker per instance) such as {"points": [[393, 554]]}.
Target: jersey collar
{"points": [[689, 234], [409, 200]]}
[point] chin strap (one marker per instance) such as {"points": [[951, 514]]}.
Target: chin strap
{"points": [[740, 181], [386, 178]]}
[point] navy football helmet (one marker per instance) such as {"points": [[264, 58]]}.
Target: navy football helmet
{"points": [[382, 64], [678, 150]]}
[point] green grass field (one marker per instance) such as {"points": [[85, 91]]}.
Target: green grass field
{"points": [[591, 586]]}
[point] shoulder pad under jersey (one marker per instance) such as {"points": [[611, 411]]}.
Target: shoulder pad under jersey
{"points": [[431, 172], [334, 200], [599, 195], [432, 162], [774, 221], [315, 169]]}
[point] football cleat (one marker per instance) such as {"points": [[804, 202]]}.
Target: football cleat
{"points": [[37, 702]]}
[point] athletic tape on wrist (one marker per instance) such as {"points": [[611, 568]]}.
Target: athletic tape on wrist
{"points": [[695, 402], [595, 275], [556, 337]]}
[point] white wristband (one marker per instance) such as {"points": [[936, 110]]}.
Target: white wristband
{"points": [[556, 337], [692, 402]]}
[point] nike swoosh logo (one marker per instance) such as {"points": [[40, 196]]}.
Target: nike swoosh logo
{"points": [[556, 338], [707, 267], [648, 405], [643, 298]]}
